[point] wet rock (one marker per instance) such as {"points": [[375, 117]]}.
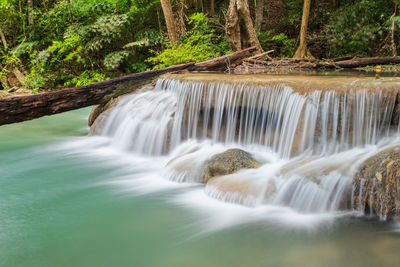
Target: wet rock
{"points": [[239, 189], [228, 162], [376, 186]]}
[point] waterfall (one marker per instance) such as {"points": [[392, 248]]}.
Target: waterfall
{"points": [[310, 141]]}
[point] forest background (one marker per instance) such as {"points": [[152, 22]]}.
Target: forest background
{"points": [[49, 44]]}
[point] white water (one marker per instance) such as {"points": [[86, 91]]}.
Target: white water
{"points": [[310, 144]]}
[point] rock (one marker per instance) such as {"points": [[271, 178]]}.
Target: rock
{"points": [[238, 188], [376, 186], [228, 162]]}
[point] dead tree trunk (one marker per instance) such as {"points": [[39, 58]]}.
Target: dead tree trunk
{"points": [[232, 28], [259, 14], [170, 21], [22, 108], [302, 51], [243, 8], [224, 61], [362, 62]]}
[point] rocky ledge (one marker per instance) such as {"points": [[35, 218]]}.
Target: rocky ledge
{"points": [[376, 186]]}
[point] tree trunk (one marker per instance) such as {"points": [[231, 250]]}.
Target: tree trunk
{"points": [[394, 50], [3, 39], [232, 28], [259, 14], [224, 62], [170, 21], [243, 8], [303, 52], [180, 21], [30, 8], [363, 62], [212, 7]]}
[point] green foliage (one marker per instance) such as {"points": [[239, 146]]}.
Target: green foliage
{"points": [[7, 64], [36, 77], [115, 59], [281, 43], [74, 42], [86, 78], [357, 28], [202, 42]]}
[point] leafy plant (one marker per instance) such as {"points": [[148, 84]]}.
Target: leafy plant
{"points": [[86, 78], [200, 43], [281, 43], [357, 28]]}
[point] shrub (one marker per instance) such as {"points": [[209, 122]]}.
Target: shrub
{"points": [[281, 43], [357, 28], [202, 42]]}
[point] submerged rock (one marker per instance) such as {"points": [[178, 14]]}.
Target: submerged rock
{"points": [[239, 189], [228, 162], [376, 186]]}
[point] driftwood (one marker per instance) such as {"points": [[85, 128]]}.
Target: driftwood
{"points": [[362, 62], [265, 54], [260, 65], [22, 108], [224, 61]]}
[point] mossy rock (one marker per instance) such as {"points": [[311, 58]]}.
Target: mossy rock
{"points": [[228, 162]]}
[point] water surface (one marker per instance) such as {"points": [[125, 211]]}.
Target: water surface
{"points": [[68, 200]]}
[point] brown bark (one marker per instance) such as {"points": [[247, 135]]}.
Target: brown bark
{"points": [[170, 21], [3, 39], [212, 7], [232, 28], [180, 20], [394, 50], [302, 50], [243, 8], [22, 108], [30, 8], [362, 62], [224, 61], [259, 14]]}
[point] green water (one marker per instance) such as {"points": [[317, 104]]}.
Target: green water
{"points": [[60, 209]]}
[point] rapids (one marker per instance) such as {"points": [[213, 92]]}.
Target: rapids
{"points": [[310, 142], [131, 196]]}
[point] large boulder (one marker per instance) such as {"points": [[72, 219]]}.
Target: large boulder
{"points": [[376, 186], [228, 162]]}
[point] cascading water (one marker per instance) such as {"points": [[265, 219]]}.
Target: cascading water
{"points": [[309, 141]]}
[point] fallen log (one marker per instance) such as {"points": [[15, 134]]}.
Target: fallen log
{"points": [[362, 62], [265, 54], [224, 61], [22, 108]]}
